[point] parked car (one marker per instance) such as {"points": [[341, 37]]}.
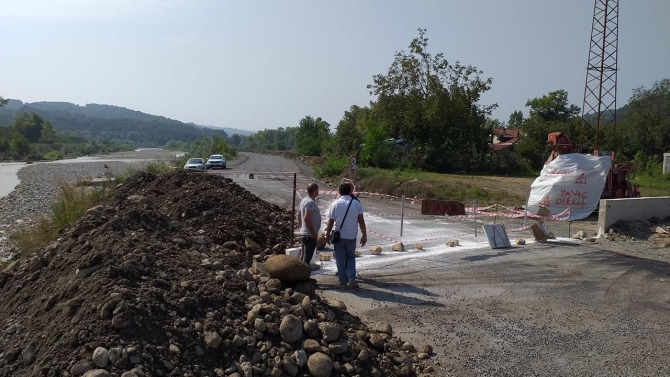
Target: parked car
{"points": [[195, 164], [216, 161]]}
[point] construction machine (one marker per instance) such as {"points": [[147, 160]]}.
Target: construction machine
{"points": [[616, 185]]}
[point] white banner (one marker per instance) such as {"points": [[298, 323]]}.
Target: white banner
{"points": [[573, 181]]}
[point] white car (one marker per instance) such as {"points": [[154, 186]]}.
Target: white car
{"points": [[195, 164], [216, 161]]}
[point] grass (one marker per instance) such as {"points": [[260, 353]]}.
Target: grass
{"points": [[652, 184], [482, 188]]}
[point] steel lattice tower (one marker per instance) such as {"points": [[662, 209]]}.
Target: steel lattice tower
{"points": [[599, 110]]}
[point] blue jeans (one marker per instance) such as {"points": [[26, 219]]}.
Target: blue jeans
{"points": [[345, 259]]}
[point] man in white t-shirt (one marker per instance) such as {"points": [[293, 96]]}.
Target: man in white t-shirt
{"points": [[347, 213]]}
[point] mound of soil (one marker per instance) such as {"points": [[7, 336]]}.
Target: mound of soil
{"points": [[166, 278]]}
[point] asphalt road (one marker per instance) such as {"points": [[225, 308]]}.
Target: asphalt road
{"points": [[555, 309]]}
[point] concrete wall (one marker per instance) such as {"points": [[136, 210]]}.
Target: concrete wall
{"points": [[631, 209], [666, 163]]}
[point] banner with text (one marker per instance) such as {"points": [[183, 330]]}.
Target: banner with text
{"points": [[573, 181]]}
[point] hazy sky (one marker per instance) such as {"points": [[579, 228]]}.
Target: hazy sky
{"points": [[266, 64]]}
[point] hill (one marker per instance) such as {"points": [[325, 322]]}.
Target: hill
{"points": [[104, 123]]}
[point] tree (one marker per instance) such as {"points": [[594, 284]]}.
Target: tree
{"points": [[29, 126], [553, 107], [48, 133], [236, 140], [349, 133], [3, 101], [515, 120], [19, 144], [434, 105], [646, 125], [311, 136]]}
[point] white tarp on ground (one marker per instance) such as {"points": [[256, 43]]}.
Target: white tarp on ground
{"points": [[573, 181]]}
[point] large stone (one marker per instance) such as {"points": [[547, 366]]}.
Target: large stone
{"points": [[311, 329], [337, 304], [252, 246], [139, 199], [300, 357], [287, 268], [376, 250], [329, 331], [291, 329], [319, 365], [101, 357], [579, 235], [339, 347], [97, 373], [376, 341], [383, 327], [212, 339], [321, 242], [398, 247], [79, 369], [418, 246], [311, 345], [426, 349]]}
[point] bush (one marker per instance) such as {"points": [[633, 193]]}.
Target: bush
{"points": [[332, 168]]}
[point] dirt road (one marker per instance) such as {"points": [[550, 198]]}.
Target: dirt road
{"points": [[542, 309]]}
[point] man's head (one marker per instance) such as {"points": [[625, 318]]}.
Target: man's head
{"points": [[345, 189], [312, 190]]}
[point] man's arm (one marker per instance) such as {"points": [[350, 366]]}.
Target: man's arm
{"points": [[308, 223], [329, 228], [364, 232]]}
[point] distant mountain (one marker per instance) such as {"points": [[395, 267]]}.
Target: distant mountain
{"points": [[105, 123]]}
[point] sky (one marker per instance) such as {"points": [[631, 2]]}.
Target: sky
{"points": [[256, 64]]}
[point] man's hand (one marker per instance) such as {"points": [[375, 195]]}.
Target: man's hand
{"points": [[364, 239], [313, 235]]}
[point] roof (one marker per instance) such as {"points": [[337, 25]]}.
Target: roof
{"points": [[503, 144], [507, 132]]}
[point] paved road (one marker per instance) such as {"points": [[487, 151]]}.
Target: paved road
{"points": [[556, 309]]}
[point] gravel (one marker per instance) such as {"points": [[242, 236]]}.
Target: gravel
{"points": [[38, 186]]}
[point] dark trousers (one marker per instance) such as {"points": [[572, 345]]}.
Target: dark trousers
{"points": [[308, 247]]}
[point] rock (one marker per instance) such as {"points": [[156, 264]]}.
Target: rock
{"points": [[357, 253], [139, 199], [252, 246], [376, 341], [426, 349], [290, 329], [520, 241], [398, 247], [311, 329], [101, 357], [129, 374], [339, 347], [329, 331], [81, 368], [363, 355], [247, 369], [287, 268], [418, 246], [28, 355], [409, 347], [321, 242], [174, 350], [579, 235], [85, 272], [273, 285], [238, 341], [212, 339], [452, 243], [300, 357], [383, 327], [120, 321], [319, 365], [179, 241], [337, 304], [97, 373], [376, 250], [260, 325], [291, 367], [311, 345]]}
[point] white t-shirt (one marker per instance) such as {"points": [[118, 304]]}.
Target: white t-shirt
{"points": [[348, 229]]}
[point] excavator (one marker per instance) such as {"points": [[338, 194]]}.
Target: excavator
{"points": [[616, 185]]}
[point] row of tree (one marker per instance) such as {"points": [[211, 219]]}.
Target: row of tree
{"points": [[428, 115], [203, 147]]}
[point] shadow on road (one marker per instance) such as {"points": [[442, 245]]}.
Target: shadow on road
{"points": [[399, 293]]}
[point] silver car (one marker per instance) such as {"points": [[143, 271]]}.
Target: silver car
{"points": [[216, 161], [195, 164]]}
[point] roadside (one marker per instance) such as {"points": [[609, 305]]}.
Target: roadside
{"points": [[542, 309]]}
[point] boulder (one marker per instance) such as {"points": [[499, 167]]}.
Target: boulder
{"points": [[398, 247], [376, 250], [321, 242], [287, 268]]}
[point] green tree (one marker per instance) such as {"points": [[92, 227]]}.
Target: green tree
{"points": [[646, 125], [553, 107], [29, 126], [48, 133], [515, 120], [434, 105], [311, 136], [351, 130], [236, 140], [376, 149], [3, 101], [19, 144]]}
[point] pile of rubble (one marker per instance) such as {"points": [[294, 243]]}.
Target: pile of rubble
{"points": [[168, 277]]}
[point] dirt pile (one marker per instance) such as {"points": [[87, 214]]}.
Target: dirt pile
{"points": [[166, 278]]}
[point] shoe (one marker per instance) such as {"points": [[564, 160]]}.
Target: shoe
{"points": [[342, 286], [352, 285]]}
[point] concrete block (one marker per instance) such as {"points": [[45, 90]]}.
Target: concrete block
{"points": [[666, 163], [631, 209]]}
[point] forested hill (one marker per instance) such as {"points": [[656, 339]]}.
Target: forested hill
{"points": [[109, 123]]}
